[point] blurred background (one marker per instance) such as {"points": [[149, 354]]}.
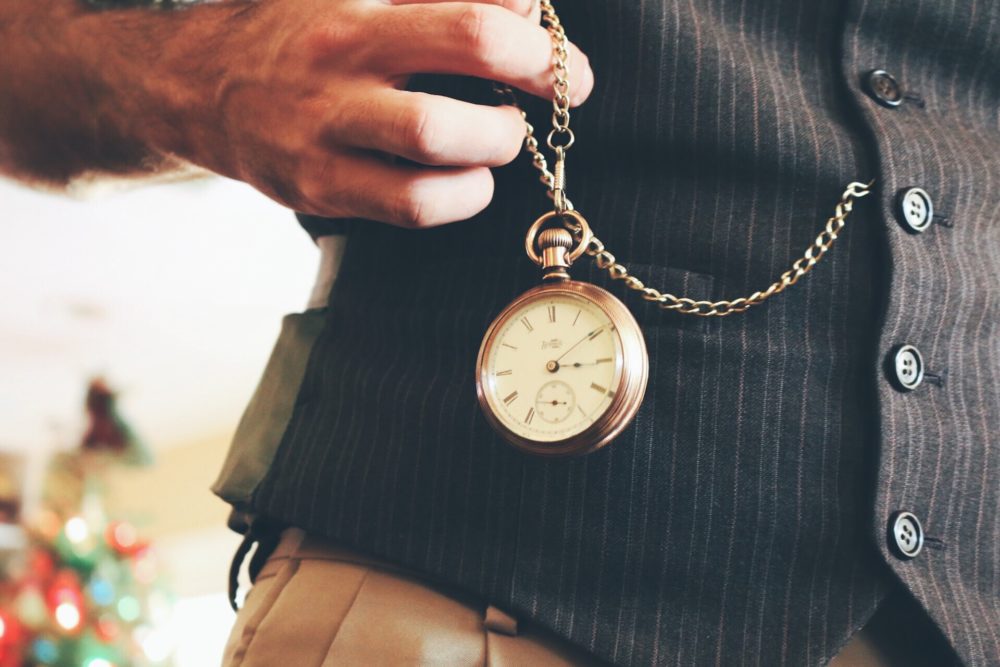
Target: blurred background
{"points": [[162, 302]]}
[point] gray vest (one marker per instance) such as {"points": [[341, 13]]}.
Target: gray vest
{"points": [[751, 511]]}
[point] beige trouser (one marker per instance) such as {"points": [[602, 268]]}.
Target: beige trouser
{"points": [[314, 604]]}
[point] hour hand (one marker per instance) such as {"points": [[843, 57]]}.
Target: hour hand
{"points": [[578, 364]]}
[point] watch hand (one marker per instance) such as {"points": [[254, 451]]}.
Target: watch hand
{"points": [[578, 364], [586, 336]]}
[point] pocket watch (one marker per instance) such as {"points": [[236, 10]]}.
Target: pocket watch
{"points": [[563, 369]]}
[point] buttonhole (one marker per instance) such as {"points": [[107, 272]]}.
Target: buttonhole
{"points": [[914, 98], [943, 220], [934, 543], [935, 378]]}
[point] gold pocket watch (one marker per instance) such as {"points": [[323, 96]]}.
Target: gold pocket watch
{"points": [[563, 369]]}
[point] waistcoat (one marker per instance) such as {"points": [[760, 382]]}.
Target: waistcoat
{"points": [[751, 511]]}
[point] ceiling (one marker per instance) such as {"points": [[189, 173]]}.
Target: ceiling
{"points": [[173, 292]]}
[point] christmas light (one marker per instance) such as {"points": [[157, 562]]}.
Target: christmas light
{"points": [[129, 608], [30, 607], [45, 651], [124, 536], [77, 530], [87, 581], [107, 628], [156, 644], [68, 616], [101, 592], [145, 566], [48, 523]]}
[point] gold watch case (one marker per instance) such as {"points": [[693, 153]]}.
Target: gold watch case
{"points": [[631, 369]]}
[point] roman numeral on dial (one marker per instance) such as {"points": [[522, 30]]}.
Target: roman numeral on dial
{"points": [[552, 313], [510, 398], [531, 415], [527, 324]]}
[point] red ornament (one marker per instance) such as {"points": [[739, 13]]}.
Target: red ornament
{"points": [[11, 638], [41, 565], [123, 538], [107, 629], [65, 600]]}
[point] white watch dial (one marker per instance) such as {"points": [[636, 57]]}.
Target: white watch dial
{"points": [[553, 367]]}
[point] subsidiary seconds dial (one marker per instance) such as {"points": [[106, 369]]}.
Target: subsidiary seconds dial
{"points": [[556, 402], [559, 371]]}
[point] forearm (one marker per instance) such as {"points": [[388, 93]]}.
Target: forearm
{"points": [[86, 91]]}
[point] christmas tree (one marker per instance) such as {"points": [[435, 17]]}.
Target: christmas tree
{"points": [[86, 590]]}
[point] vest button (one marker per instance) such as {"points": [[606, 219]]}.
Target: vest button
{"points": [[884, 88], [906, 366], [915, 209], [906, 535]]}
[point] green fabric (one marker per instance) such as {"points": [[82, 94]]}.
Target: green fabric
{"points": [[267, 415]]}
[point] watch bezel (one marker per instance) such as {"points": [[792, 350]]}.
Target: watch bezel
{"points": [[629, 392]]}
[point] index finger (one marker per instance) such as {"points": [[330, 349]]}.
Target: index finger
{"points": [[481, 40]]}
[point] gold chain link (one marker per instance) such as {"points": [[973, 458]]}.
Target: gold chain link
{"points": [[555, 183], [605, 260]]}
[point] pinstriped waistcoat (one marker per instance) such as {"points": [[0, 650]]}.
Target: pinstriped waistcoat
{"points": [[743, 515]]}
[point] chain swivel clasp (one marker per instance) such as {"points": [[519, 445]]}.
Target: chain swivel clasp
{"points": [[559, 182]]}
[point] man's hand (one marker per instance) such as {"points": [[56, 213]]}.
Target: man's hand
{"points": [[302, 99]]}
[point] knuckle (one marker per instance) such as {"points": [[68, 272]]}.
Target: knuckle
{"points": [[414, 128], [317, 196], [316, 192], [410, 207], [322, 189], [331, 39], [473, 29], [289, 192]]}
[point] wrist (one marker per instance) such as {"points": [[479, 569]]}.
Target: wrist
{"points": [[153, 73]]}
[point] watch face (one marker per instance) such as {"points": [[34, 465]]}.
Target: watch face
{"points": [[552, 367]]}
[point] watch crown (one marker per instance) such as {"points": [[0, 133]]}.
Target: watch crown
{"points": [[555, 237], [555, 244]]}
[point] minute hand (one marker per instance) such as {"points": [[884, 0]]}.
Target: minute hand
{"points": [[589, 335]]}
